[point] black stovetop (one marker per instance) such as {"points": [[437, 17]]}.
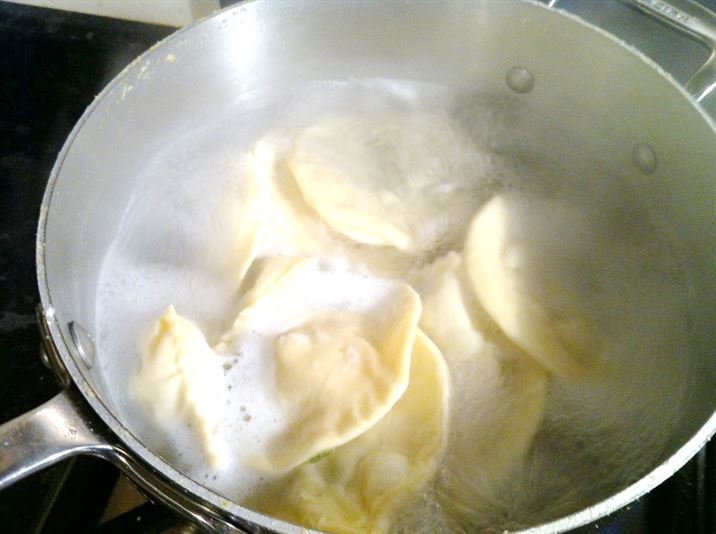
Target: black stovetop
{"points": [[52, 64]]}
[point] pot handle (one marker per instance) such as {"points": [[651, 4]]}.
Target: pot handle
{"points": [[696, 20], [64, 427], [41, 437]]}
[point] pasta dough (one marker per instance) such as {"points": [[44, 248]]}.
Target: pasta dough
{"points": [[177, 382], [292, 229], [248, 222], [393, 180], [500, 390], [342, 355], [502, 394], [446, 317], [515, 270], [359, 486], [222, 235]]}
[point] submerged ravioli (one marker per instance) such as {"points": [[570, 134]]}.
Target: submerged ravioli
{"points": [[500, 391], [360, 486], [177, 379], [291, 226], [502, 395], [218, 237], [396, 180], [513, 255], [446, 316], [341, 355], [248, 222]]}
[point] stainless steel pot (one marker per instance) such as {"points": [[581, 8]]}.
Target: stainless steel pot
{"points": [[634, 115]]}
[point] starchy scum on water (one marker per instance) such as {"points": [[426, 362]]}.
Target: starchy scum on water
{"points": [[363, 329]]}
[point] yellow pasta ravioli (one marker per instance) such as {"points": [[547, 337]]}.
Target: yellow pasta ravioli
{"points": [[515, 272], [375, 180], [360, 486], [341, 355], [177, 381]]}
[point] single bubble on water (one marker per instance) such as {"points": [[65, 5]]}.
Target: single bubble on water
{"points": [[520, 80]]}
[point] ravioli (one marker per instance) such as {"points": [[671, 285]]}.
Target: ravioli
{"points": [[501, 394], [499, 391], [361, 485], [341, 355], [177, 382], [395, 180], [216, 239], [514, 263], [446, 316], [248, 221], [292, 229]]}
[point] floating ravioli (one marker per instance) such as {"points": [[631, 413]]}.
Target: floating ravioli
{"points": [[177, 381], [514, 254], [388, 179], [293, 227], [360, 486], [341, 354]]}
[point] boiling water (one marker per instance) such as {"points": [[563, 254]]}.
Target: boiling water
{"points": [[595, 437]]}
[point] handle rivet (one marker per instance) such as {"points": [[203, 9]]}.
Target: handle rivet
{"points": [[520, 80], [84, 345], [644, 158]]}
